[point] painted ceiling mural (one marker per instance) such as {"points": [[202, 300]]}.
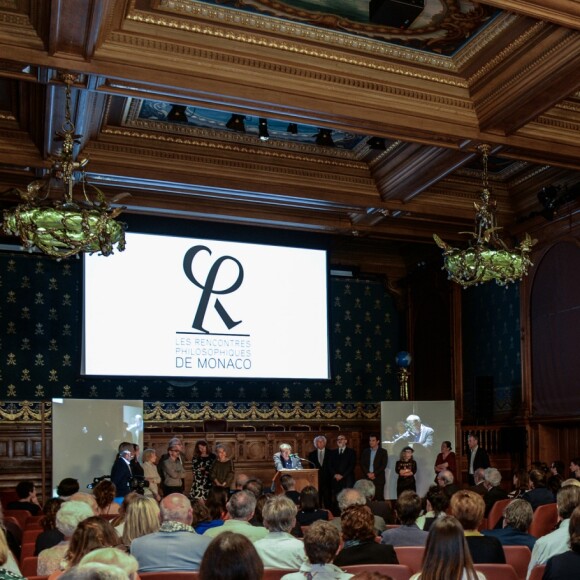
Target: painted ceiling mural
{"points": [[441, 26]]}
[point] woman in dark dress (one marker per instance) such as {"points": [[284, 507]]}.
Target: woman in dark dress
{"points": [[201, 463], [406, 468], [50, 536], [445, 460], [309, 507]]}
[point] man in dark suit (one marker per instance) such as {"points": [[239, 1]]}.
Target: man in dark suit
{"points": [[320, 458], [342, 465], [373, 462], [121, 470], [476, 457]]}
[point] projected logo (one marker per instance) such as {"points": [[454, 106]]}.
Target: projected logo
{"points": [[216, 351]]}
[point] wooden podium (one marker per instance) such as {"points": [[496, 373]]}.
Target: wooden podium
{"points": [[302, 477]]}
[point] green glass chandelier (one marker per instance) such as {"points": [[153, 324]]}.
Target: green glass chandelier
{"points": [[55, 220], [487, 257]]}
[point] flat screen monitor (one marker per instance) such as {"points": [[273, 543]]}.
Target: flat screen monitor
{"points": [[183, 307]]}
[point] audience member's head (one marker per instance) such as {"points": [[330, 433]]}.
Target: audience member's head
{"points": [[258, 519], [241, 506], [348, 497], [567, 499], [309, 500], [518, 515], [408, 507], [4, 549], [468, 507], [231, 556], [216, 502], [200, 512], [70, 514], [142, 518], [554, 483], [321, 542], [575, 530], [255, 487], [25, 489], [287, 482], [357, 523], [49, 510], [114, 558], [279, 514], [94, 571], [479, 475], [240, 481], [437, 500], [127, 501], [446, 552], [521, 479], [105, 492], [575, 466], [537, 479], [367, 488], [492, 477], [445, 478], [176, 508], [557, 468], [87, 498], [92, 533], [67, 487]]}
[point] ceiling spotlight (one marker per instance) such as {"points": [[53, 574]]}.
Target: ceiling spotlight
{"points": [[177, 114], [377, 143], [324, 138], [263, 129], [292, 128], [236, 123]]}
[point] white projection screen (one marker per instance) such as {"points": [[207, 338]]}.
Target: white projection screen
{"points": [[184, 307], [436, 415], [86, 434]]}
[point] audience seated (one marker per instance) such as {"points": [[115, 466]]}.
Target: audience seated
{"points": [[113, 558], [521, 481], [176, 546], [479, 478], [468, 507], [119, 521], [240, 480], [566, 566], [288, 484], [279, 549], [358, 535], [348, 497], [517, 517], [202, 519], [436, 502], [381, 508], [408, 509], [240, 510], [50, 536], [446, 482], [142, 518], [94, 571], [254, 486], [231, 556], [310, 507], [494, 492], [105, 493], [447, 555], [538, 493], [575, 468], [556, 542], [258, 519], [216, 502], [8, 567], [27, 499], [68, 517], [67, 487], [321, 543], [88, 499], [92, 533]]}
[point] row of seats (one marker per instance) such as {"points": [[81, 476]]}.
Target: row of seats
{"points": [[543, 522]]}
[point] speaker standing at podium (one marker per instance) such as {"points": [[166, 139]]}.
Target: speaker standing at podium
{"points": [[285, 459]]}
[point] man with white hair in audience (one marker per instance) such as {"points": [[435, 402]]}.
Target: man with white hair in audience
{"points": [[279, 549], [240, 509], [557, 542], [176, 546], [68, 517], [446, 482], [381, 509], [494, 492], [348, 497], [479, 482], [517, 517]]}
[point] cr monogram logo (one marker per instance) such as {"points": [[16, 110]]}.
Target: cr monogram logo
{"points": [[208, 288]]}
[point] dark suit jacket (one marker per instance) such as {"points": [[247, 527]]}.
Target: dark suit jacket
{"points": [[485, 550], [512, 537], [366, 553], [342, 464], [120, 475], [491, 496], [481, 460], [379, 464], [539, 496]]}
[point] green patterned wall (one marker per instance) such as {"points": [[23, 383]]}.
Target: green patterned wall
{"points": [[40, 349]]}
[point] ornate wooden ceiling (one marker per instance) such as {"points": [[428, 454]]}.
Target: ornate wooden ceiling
{"points": [[514, 85]]}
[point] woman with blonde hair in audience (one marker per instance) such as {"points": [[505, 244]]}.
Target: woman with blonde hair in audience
{"points": [[92, 533], [447, 555], [8, 566], [105, 492], [112, 557], [151, 474], [142, 518], [119, 521], [231, 556]]}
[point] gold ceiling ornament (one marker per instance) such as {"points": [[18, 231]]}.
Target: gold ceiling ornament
{"points": [[487, 257], [51, 220]]}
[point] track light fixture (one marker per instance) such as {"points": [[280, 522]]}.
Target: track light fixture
{"points": [[292, 128], [377, 143], [324, 138], [236, 123], [177, 114], [263, 129]]}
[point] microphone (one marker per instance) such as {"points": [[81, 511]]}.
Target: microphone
{"points": [[301, 458]]}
